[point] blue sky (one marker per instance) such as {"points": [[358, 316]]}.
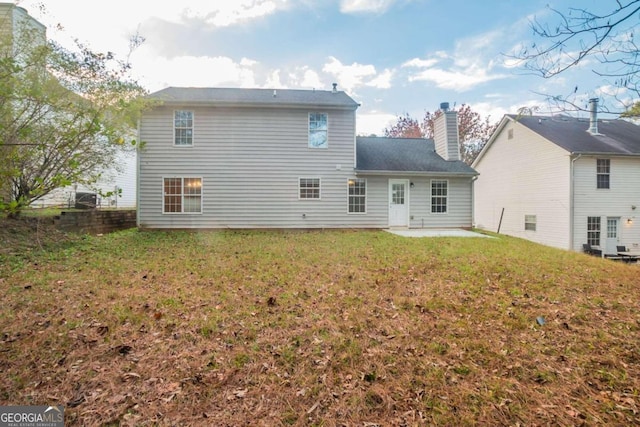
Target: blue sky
{"points": [[392, 56]]}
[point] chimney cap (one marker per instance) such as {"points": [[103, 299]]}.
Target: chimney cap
{"points": [[444, 106], [335, 87]]}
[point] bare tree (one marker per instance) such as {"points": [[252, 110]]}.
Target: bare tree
{"points": [[473, 130], [604, 41]]}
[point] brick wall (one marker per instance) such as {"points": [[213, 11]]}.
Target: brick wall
{"points": [[96, 221]]}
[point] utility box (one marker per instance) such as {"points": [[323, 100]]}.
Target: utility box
{"points": [[86, 200]]}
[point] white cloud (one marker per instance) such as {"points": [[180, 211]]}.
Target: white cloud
{"points": [[456, 79], [383, 81], [116, 20], [311, 79], [350, 77], [421, 63], [373, 123], [226, 13], [273, 80], [197, 72], [470, 64], [365, 6]]}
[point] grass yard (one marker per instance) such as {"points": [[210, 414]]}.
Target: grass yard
{"points": [[353, 328]]}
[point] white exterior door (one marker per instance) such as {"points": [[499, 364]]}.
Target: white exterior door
{"points": [[613, 233], [398, 203]]}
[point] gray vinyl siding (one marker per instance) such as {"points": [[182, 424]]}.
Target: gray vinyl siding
{"points": [[250, 161], [458, 204], [618, 201], [525, 175]]}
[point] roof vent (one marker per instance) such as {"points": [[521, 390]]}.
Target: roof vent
{"points": [[335, 87], [444, 106]]}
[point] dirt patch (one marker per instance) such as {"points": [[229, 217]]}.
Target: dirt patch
{"points": [[26, 234]]}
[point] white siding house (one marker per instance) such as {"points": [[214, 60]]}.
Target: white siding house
{"points": [[548, 179], [258, 158]]}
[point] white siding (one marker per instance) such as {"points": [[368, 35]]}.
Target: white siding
{"points": [[617, 201], [122, 175], [250, 160], [525, 175]]}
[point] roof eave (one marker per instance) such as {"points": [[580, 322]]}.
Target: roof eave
{"points": [[605, 153], [205, 103], [416, 173]]}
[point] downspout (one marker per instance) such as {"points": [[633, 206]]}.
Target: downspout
{"points": [[138, 177], [572, 203], [473, 201]]}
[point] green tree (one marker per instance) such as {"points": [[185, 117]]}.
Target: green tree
{"points": [[63, 116], [473, 130], [633, 111]]}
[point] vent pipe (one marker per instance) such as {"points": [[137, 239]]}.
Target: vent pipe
{"points": [[335, 87], [593, 116]]}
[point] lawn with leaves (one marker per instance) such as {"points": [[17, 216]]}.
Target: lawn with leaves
{"points": [[330, 328]]}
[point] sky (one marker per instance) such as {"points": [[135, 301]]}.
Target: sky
{"points": [[394, 57]]}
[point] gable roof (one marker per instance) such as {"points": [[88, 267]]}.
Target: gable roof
{"points": [[616, 137], [414, 156], [254, 97]]}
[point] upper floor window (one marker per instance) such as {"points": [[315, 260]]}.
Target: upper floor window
{"points": [[603, 172], [357, 195], [182, 195], [183, 127], [309, 188], [318, 127], [439, 190]]}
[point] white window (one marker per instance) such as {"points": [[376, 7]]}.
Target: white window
{"points": [[318, 130], [439, 193], [309, 188], [593, 230], [183, 128], [357, 195], [603, 172], [182, 195], [530, 222]]}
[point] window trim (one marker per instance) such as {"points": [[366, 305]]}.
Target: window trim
{"points": [[530, 220], [326, 146], [446, 197], [598, 231], [300, 188], [182, 195], [363, 196], [193, 121], [606, 174]]}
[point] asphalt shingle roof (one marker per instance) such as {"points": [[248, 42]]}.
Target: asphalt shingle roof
{"points": [[617, 136], [412, 155], [237, 96]]}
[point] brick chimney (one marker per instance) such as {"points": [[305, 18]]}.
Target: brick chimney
{"points": [[445, 133]]}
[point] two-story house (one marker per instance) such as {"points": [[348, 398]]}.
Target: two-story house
{"points": [[262, 158], [561, 181]]}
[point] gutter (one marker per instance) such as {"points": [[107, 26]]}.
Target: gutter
{"points": [[417, 173]]}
